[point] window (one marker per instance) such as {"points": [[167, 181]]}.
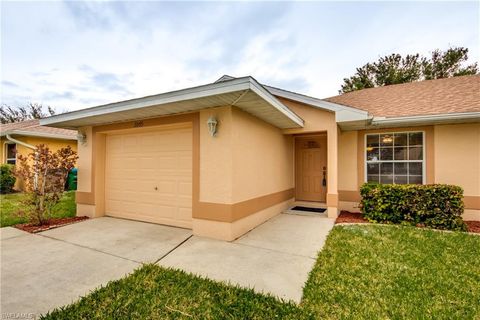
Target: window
{"points": [[396, 157], [11, 153]]}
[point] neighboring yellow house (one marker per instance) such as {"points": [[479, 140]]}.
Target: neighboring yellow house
{"points": [[20, 138], [224, 157]]}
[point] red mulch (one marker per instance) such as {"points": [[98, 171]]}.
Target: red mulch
{"points": [[50, 224], [473, 226], [350, 217]]}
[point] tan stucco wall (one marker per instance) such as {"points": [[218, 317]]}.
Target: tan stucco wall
{"points": [[457, 156], [84, 163], [347, 161], [262, 158], [237, 165], [216, 162], [53, 144]]}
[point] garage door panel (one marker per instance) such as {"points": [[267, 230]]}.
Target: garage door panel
{"points": [[184, 214], [185, 188], [147, 162], [148, 176]]}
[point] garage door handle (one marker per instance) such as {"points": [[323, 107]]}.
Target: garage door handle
{"points": [[156, 188]]}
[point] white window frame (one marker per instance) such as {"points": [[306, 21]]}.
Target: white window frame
{"points": [[423, 161], [5, 148]]}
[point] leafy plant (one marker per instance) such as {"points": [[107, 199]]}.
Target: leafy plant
{"points": [[44, 173], [7, 178], [438, 206]]}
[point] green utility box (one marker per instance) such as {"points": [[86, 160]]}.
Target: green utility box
{"points": [[72, 179]]}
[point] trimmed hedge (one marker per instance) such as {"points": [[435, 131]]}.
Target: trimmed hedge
{"points": [[437, 206], [7, 178]]}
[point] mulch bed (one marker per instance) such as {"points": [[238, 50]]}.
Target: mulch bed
{"points": [[50, 224], [356, 217], [350, 217], [473, 226]]}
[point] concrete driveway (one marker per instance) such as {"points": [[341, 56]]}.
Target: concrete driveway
{"points": [[50, 269], [54, 268]]}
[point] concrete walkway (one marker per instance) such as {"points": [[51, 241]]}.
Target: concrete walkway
{"points": [[54, 268], [275, 257]]}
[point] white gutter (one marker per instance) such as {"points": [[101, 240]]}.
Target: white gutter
{"points": [[323, 104], [9, 138], [43, 134], [469, 116]]}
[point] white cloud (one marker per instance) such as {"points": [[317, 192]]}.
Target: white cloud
{"points": [[75, 55]]}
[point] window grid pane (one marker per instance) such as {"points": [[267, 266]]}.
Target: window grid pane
{"points": [[395, 157]]}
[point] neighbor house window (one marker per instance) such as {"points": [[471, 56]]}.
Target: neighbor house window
{"points": [[11, 152], [396, 157]]}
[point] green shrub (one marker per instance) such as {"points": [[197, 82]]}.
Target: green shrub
{"points": [[438, 206], [7, 179]]}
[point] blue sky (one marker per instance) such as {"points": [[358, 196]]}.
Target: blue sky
{"points": [[72, 55]]}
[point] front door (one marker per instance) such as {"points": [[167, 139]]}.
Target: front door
{"points": [[311, 168]]}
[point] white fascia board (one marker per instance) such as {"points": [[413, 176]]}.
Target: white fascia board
{"points": [[342, 113], [40, 134], [169, 97], [267, 96], [445, 117]]}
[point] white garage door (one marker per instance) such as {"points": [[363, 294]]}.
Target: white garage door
{"points": [[148, 176]]}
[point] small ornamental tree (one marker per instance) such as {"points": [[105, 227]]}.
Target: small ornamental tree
{"points": [[44, 173]]}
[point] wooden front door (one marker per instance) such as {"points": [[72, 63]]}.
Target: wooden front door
{"points": [[311, 168]]}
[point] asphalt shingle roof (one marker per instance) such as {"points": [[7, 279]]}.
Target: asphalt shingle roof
{"points": [[449, 95], [34, 126]]}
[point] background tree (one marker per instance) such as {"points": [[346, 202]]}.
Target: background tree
{"points": [[44, 173], [10, 114], [395, 69]]}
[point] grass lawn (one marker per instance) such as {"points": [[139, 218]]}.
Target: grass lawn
{"points": [[10, 204], [364, 272]]}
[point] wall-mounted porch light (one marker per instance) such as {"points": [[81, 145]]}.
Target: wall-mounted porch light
{"points": [[212, 126], [82, 137]]}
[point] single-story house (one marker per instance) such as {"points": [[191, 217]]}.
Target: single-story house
{"points": [[20, 138], [224, 157]]}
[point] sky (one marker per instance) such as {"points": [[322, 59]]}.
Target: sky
{"points": [[72, 55]]}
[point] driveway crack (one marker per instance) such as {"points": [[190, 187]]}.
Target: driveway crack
{"points": [[90, 248], [174, 248]]}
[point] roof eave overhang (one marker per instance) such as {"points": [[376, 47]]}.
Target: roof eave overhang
{"points": [[411, 121], [177, 102]]}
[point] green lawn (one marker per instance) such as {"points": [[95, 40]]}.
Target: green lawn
{"points": [[10, 204], [364, 272]]}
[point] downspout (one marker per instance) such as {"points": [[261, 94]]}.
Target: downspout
{"points": [[9, 138]]}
